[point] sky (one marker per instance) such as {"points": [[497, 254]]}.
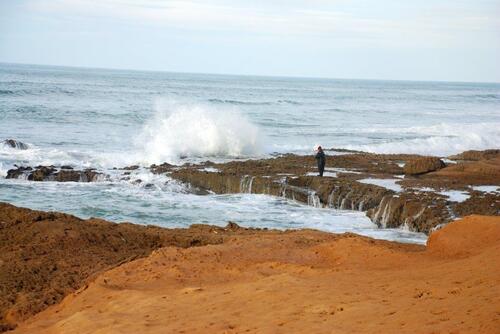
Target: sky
{"points": [[445, 40]]}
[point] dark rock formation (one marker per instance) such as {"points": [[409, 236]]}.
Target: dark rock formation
{"points": [[159, 169], [15, 144], [133, 167], [19, 172], [51, 173], [42, 173], [423, 165], [87, 175]]}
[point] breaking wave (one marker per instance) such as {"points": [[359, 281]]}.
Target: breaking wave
{"points": [[197, 131], [441, 140]]}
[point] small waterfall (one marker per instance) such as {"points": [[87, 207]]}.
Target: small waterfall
{"points": [[331, 198], [342, 204], [24, 176], [313, 200], [246, 184], [381, 210], [100, 178], [386, 214], [283, 188], [415, 217]]}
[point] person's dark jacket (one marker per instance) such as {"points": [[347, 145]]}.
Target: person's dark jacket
{"points": [[321, 159]]}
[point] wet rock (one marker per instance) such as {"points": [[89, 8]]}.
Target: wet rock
{"points": [[76, 176], [15, 144], [423, 165], [479, 203], [50, 173], [133, 167], [159, 169], [42, 173], [18, 173], [410, 210], [474, 155]]}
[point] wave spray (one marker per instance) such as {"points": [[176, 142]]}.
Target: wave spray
{"points": [[197, 131]]}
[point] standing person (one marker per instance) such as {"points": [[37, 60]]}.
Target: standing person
{"points": [[321, 159]]}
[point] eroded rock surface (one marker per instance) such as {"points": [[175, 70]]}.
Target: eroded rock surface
{"points": [[45, 256]]}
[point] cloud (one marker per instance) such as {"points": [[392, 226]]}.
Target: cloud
{"points": [[333, 20], [219, 15]]}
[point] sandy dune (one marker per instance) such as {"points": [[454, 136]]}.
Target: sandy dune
{"points": [[297, 282]]}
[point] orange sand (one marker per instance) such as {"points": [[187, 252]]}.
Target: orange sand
{"points": [[290, 283]]}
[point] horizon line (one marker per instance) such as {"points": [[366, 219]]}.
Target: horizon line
{"points": [[244, 75]]}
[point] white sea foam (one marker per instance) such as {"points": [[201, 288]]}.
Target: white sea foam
{"points": [[194, 130], [209, 170], [440, 140]]}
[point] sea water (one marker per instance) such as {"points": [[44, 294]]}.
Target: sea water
{"points": [[112, 118]]}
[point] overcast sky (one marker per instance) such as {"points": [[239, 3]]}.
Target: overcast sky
{"points": [[456, 40]]}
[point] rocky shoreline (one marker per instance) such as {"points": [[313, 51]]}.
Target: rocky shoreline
{"points": [[395, 190], [61, 274]]}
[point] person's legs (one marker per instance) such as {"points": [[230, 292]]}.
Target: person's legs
{"points": [[321, 169]]}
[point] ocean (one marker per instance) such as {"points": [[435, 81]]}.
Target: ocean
{"points": [[114, 118]]}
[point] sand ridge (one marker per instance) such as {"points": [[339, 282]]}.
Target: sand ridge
{"points": [[297, 282]]}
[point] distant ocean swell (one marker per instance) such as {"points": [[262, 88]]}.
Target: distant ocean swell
{"points": [[38, 91], [251, 103]]}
